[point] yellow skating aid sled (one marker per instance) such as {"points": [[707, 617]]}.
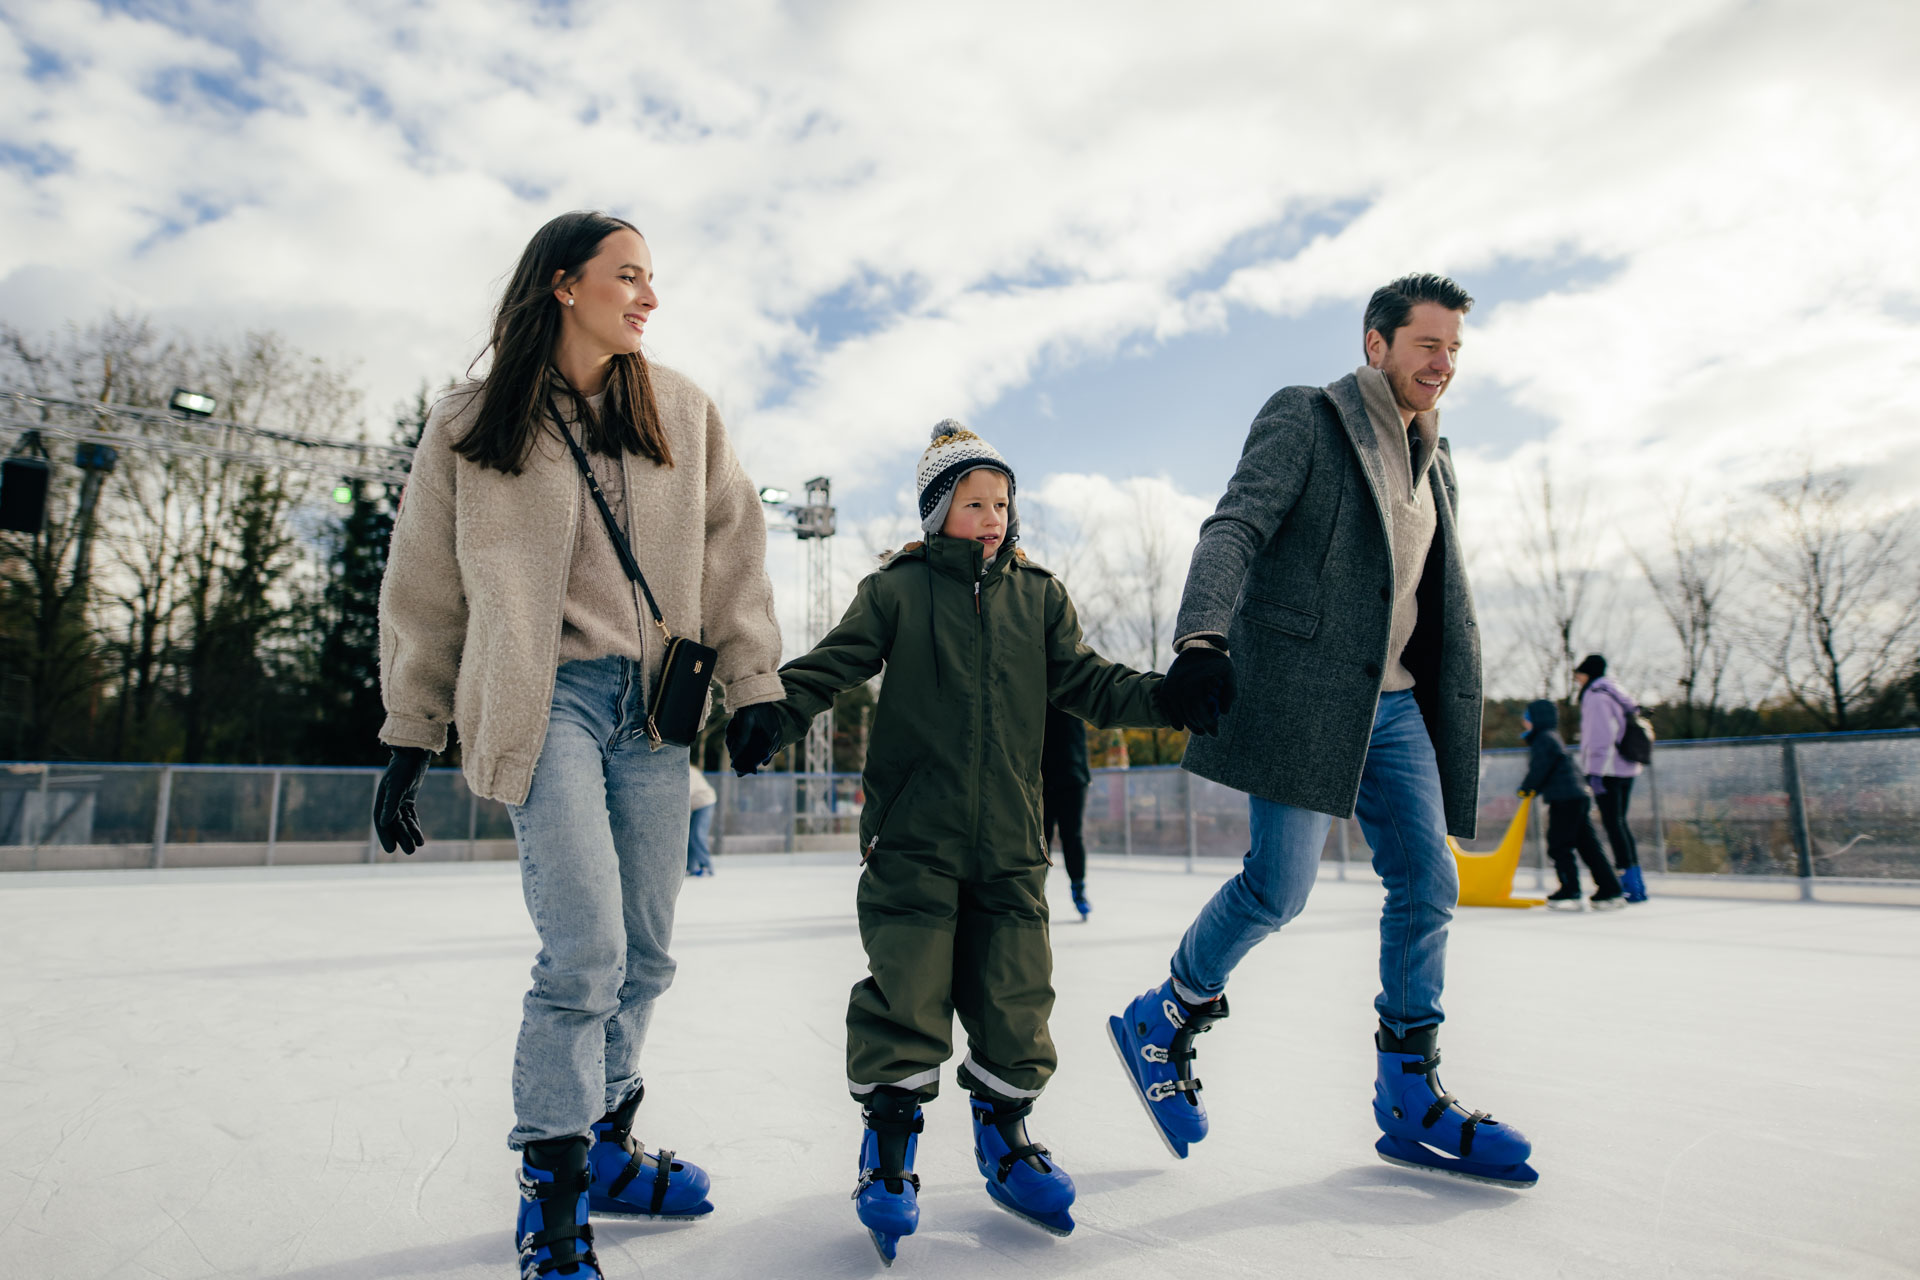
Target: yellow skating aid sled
{"points": [[1486, 879]]}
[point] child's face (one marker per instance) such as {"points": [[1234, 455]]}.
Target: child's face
{"points": [[979, 510]]}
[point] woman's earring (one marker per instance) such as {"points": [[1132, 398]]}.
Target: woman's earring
{"points": [[569, 301]]}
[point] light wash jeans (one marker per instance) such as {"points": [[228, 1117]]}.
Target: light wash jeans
{"points": [[603, 846], [699, 842], [1402, 815]]}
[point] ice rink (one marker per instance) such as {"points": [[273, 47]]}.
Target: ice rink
{"points": [[305, 1074]]}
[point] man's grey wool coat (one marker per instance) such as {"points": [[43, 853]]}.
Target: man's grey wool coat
{"points": [[1293, 567]]}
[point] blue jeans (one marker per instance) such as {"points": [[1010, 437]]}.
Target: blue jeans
{"points": [[698, 829], [1404, 820], [603, 843]]}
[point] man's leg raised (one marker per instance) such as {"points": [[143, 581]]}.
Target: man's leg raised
{"points": [[1154, 1034]]}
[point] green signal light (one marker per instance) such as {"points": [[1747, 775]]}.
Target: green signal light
{"points": [[343, 493]]}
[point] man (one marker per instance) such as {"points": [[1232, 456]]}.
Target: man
{"points": [[1328, 628]]}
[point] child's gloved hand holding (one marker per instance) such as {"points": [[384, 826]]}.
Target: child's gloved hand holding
{"points": [[1198, 689], [752, 735], [1596, 783]]}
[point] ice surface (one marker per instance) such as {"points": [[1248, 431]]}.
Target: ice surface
{"points": [[302, 1073]]}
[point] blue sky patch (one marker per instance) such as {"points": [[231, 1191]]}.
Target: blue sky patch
{"points": [[41, 161]]}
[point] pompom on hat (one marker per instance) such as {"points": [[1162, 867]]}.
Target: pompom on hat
{"points": [[954, 452]]}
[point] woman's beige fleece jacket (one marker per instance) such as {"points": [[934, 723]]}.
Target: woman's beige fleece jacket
{"points": [[470, 610]]}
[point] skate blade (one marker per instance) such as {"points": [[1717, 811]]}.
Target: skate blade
{"points": [[1565, 906], [1526, 1176], [1609, 904], [1058, 1224], [612, 1209], [884, 1245], [1120, 1051]]}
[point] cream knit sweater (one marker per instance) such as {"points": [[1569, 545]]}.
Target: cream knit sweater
{"points": [[477, 581], [1410, 512]]}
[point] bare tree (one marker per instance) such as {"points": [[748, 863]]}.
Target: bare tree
{"points": [[1846, 593], [1554, 581], [1690, 587]]}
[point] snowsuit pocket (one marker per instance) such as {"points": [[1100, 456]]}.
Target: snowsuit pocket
{"points": [[881, 813]]}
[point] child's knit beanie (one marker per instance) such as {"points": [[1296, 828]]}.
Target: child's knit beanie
{"points": [[954, 452]]}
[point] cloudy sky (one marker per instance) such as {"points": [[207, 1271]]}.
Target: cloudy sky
{"points": [[1103, 234]]}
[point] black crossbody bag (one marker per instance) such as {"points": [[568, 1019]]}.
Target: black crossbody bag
{"points": [[679, 701]]}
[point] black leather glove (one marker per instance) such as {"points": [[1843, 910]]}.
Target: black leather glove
{"points": [[394, 820], [752, 735], [1198, 690]]}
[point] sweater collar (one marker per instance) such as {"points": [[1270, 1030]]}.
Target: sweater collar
{"points": [[1376, 393]]}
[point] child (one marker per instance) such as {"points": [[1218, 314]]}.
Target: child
{"points": [[1552, 776], [976, 640]]}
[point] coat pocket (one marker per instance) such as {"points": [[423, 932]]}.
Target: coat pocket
{"points": [[1284, 618]]}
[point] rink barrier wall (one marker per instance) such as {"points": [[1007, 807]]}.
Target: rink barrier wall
{"points": [[1779, 816]]}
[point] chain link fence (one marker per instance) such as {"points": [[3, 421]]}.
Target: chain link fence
{"points": [[1833, 807]]}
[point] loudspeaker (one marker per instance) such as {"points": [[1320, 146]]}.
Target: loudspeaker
{"points": [[23, 494]]}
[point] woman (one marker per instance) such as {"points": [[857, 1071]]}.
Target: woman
{"points": [[506, 610], [1605, 710]]}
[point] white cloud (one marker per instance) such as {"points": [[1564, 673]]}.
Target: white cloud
{"points": [[1028, 186]]}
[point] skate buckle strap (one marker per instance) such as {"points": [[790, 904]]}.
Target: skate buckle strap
{"points": [[870, 1176], [1161, 1090], [1017, 1154], [1153, 1053], [660, 1178], [534, 1241]]}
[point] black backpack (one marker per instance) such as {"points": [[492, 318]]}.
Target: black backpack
{"points": [[1636, 738]]}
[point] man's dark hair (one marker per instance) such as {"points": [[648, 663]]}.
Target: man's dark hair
{"points": [[1391, 304]]}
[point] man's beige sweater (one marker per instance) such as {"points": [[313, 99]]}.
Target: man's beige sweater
{"points": [[1405, 452], [477, 582]]}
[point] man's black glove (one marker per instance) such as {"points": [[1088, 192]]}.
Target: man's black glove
{"points": [[752, 735], [1198, 690], [394, 820]]}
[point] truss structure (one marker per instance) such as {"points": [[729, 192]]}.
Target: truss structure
{"points": [[121, 426]]}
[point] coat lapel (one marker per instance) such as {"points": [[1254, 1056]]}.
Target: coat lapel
{"points": [[1345, 395]]}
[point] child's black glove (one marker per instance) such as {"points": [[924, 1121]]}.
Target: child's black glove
{"points": [[752, 735], [395, 820], [1198, 690]]}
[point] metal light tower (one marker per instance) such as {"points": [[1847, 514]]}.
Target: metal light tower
{"points": [[813, 523]]}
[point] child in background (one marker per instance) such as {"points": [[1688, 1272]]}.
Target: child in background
{"points": [[975, 640], [1553, 776]]}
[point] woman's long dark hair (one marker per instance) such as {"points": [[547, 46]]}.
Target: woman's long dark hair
{"points": [[526, 329]]}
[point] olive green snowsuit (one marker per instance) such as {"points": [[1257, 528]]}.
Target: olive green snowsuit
{"points": [[952, 901]]}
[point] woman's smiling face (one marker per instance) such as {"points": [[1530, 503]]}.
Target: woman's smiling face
{"points": [[608, 305]]}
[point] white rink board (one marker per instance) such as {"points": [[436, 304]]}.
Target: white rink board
{"points": [[295, 1073]]}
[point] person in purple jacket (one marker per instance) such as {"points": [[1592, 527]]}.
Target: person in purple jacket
{"points": [[1604, 711]]}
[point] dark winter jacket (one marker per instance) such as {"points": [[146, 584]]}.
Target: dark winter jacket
{"points": [[1295, 570], [1551, 772], [1063, 760], [972, 661]]}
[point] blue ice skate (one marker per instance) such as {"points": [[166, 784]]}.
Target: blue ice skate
{"points": [[1080, 902], [1635, 884], [551, 1229], [631, 1182], [888, 1197], [1022, 1176], [1424, 1128], [1154, 1039]]}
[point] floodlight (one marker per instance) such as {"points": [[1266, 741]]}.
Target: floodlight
{"points": [[774, 497], [196, 403]]}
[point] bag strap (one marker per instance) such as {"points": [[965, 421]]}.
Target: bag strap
{"points": [[621, 547]]}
